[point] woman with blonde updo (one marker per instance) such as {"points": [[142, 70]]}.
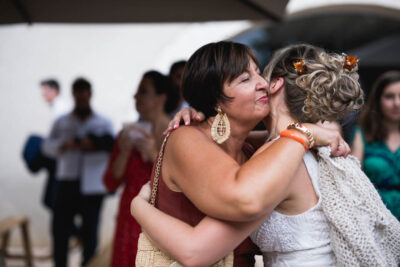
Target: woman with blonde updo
{"points": [[305, 84], [318, 88]]}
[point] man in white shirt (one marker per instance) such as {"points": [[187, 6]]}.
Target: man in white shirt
{"points": [[51, 94], [50, 89], [80, 141]]}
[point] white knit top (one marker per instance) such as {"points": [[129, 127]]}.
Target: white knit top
{"points": [[363, 231], [297, 240]]}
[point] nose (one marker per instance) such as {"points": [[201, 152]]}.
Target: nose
{"points": [[397, 101], [261, 83]]}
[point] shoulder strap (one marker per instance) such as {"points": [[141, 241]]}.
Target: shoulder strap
{"points": [[157, 172]]}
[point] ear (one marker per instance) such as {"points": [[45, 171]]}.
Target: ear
{"points": [[276, 85]]}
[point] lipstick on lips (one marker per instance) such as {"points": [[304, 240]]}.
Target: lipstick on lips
{"points": [[263, 99]]}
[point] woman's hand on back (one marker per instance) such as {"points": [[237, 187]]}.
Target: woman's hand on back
{"points": [[333, 138], [185, 115]]}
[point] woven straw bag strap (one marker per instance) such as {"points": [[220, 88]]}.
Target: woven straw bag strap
{"points": [[157, 171]]}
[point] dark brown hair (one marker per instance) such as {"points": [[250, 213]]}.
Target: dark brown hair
{"points": [[164, 85], [208, 69], [371, 118], [81, 84]]}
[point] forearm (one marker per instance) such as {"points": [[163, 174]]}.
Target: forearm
{"points": [[201, 245], [219, 186], [270, 172], [51, 147], [258, 186], [150, 156], [119, 165]]}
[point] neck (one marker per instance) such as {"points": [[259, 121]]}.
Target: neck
{"points": [[82, 113], [282, 120], [278, 118]]}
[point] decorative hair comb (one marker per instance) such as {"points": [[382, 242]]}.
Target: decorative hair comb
{"points": [[350, 62], [299, 66]]}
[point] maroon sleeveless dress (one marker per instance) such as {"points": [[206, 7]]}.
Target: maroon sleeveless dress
{"points": [[179, 206]]}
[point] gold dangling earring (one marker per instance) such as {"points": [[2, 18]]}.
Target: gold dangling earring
{"points": [[220, 128]]}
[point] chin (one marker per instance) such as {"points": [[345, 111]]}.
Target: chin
{"points": [[393, 117], [264, 113]]}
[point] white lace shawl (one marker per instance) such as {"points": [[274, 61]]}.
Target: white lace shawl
{"points": [[363, 231]]}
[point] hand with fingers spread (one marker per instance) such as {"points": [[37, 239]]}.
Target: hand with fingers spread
{"points": [[324, 136], [185, 115]]}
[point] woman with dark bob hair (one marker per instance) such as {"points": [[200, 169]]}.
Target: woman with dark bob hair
{"points": [[209, 169], [377, 139]]}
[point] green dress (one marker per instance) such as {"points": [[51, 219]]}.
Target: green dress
{"points": [[382, 166]]}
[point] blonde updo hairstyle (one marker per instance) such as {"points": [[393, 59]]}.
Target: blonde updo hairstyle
{"points": [[325, 91]]}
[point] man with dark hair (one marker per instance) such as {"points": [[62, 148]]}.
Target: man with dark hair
{"points": [[176, 73], [32, 154], [80, 141], [52, 84], [51, 94]]}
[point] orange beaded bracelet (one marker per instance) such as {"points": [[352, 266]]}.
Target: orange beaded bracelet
{"points": [[292, 134]]}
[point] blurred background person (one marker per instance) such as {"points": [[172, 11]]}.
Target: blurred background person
{"points": [[376, 141], [51, 94], [133, 155], [33, 157], [50, 89], [176, 73], [80, 142]]}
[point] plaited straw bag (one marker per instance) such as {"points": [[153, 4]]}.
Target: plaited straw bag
{"points": [[149, 255]]}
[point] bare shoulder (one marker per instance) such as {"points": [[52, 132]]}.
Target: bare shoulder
{"points": [[193, 148], [186, 137], [187, 153]]}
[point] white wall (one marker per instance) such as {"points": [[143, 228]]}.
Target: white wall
{"points": [[112, 57]]}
